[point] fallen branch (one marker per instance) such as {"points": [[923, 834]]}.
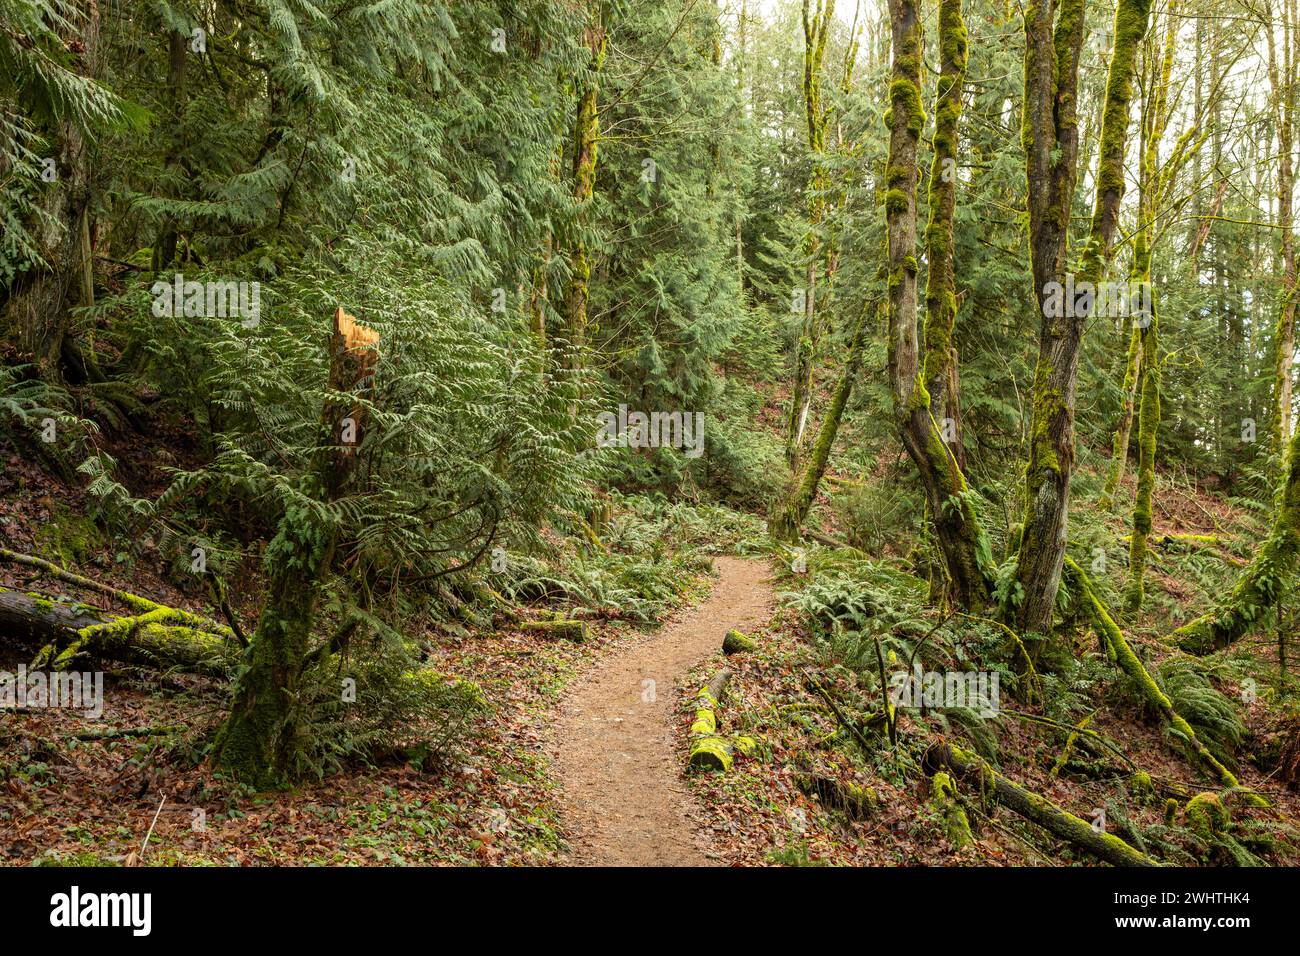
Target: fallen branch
{"points": [[47, 567], [110, 733], [1129, 663], [843, 721], [1033, 807]]}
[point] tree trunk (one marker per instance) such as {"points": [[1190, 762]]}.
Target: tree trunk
{"points": [[1283, 110], [1271, 570], [1148, 425], [40, 300], [790, 515], [1050, 133], [816, 24], [586, 143], [259, 741], [1122, 654], [967, 557], [941, 287]]}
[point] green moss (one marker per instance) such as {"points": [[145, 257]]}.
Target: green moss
{"points": [[67, 538], [1129, 663], [956, 823], [1206, 816], [705, 725], [1171, 811], [1148, 425], [1143, 786], [737, 643], [710, 753]]}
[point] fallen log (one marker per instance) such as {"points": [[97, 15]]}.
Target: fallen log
{"points": [[1033, 807], [1122, 654], [47, 567], [737, 643], [29, 618], [710, 750], [163, 635]]}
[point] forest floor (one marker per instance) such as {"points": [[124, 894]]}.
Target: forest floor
{"points": [[574, 764], [615, 745]]}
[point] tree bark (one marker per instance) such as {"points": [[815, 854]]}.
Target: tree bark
{"points": [[1050, 135], [260, 739], [1263, 581], [967, 557], [166, 636], [941, 369], [816, 27], [586, 144], [40, 300], [790, 515]]}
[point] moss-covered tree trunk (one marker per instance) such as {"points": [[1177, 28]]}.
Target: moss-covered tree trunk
{"points": [[1148, 425], [1051, 140], [1155, 181], [816, 29], [40, 300], [1121, 653], [964, 548], [789, 516], [1124, 429], [941, 369], [1263, 581], [259, 741], [586, 143], [164, 253]]}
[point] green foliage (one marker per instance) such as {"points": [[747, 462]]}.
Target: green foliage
{"points": [[880, 516], [1211, 714]]}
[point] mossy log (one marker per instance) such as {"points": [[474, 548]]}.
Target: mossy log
{"points": [[711, 753], [944, 799], [1033, 807], [30, 619], [706, 706], [711, 693], [737, 643], [709, 749], [564, 627], [162, 636]]}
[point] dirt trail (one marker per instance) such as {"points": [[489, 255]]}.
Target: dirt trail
{"points": [[626, 804]]}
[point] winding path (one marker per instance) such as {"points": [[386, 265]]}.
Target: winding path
{"points": [[625, 801]]}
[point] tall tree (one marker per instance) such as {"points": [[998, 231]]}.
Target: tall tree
{"points": [[965, 549], [816, 30], [1282, 80], [1051, 139], [586, 144], [941, 368]]}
